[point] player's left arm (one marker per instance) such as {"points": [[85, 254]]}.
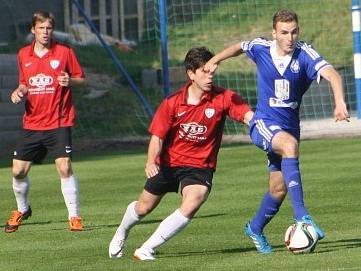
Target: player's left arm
{"points": [[238, 109], [247, 117], [331, 75], [73, 74], [65, 80]]}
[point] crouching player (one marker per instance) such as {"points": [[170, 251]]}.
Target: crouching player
{"points": [[186, 134]]}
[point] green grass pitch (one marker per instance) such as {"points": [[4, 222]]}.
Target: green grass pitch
{"points": [[213, 241]]}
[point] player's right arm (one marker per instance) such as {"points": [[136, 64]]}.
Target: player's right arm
{"points": [[18, 94], [232, 51], [154, 149]]}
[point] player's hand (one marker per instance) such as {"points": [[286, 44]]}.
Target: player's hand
{"points": [[63, 79], [151, 169], [341, 113], [18, 94]]}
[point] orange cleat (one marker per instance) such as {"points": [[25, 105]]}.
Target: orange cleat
{"points": [[75, 224], [15, 220]]}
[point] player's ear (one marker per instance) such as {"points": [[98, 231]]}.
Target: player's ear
{"points": [[274, 33], [190, 74], [32, 30]]}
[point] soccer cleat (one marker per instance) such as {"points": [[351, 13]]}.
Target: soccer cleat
{"points": [[15, 220], [309, 220], [259, 240], [144, 254], [116, 246], [75, 224]]}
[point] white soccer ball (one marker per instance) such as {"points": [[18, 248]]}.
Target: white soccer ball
{"points": [[301, 238]]}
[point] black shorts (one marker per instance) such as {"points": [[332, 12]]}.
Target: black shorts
{"points": [[35, 145], [169, 178]]}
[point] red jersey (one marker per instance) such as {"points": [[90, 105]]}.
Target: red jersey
{"points": [[48, 105], [192, 134]]}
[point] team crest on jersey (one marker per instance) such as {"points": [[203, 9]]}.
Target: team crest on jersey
{"points": [[54, 63], [295, 66], [209, 112]]}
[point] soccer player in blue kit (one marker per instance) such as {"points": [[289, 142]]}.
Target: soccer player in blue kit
{"points": [[286, 68]]}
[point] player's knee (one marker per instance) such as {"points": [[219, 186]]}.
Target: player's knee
{"points": [[143, 208], [19, 173], [64, 168], [190, 207], [290, 148]]}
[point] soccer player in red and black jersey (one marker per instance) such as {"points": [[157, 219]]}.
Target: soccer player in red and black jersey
{"points": [[47, 71], [186, 134]]}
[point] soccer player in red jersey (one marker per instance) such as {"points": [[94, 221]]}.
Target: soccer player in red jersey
{"points": [[47, 71], [186, 134]]}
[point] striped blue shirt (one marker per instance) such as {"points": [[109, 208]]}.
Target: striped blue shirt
{"points": [[282, 81]]}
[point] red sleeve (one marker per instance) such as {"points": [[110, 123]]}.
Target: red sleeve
{"points": [[237, 107], [22, 79], [162, 120], [73, 66]]}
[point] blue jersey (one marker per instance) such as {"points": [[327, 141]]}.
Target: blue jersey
{"points": [[282, 81]]}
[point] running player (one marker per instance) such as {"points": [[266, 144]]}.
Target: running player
{"points": [[47, 71], [186, 134], [286, 68]]}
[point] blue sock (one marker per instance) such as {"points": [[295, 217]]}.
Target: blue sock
{"points": [[292, 176], [269, 207]]}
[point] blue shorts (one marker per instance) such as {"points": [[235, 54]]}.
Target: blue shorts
{"points": [[262, 130]]}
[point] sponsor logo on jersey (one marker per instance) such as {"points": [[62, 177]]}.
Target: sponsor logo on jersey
{"points": [[54, 63], [40, 80], [28, 64], [274, 102], [282, 89], [295, 66], [193, 128], [209, 112], [191, 131]]}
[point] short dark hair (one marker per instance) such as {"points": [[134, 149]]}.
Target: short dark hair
{"points": [[284, 16], [197, 57], [42, 16]]}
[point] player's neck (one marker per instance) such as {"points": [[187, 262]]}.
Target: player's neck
{"points": [[40, 49], [281, 53], [195, 94]]}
